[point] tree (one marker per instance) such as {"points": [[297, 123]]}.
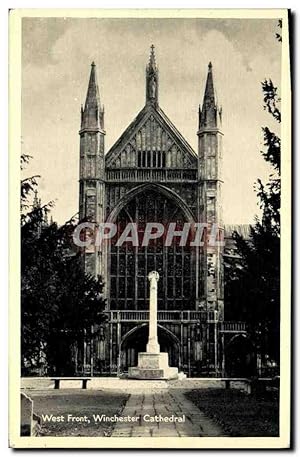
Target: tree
{"points": [[28, 185], [253, 281], [59, 302]]}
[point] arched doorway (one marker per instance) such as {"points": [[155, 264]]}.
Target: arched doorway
{"points": [[240, 357], [136, 339], [128, 265]]}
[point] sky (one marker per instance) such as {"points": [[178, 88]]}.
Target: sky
{"points": [[56, 58]]}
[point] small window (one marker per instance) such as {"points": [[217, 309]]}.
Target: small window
{"points": [[159, 159], [148, 159], [154, 159]]}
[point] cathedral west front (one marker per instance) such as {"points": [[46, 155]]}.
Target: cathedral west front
{"points": [[151, 174]]}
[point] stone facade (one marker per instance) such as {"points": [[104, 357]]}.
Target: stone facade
{"points": [[152, 174]]}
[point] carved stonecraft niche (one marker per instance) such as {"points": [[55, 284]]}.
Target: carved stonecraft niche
{"points": [[152, 145], [114, 194], [188, 193], [90, 208]]}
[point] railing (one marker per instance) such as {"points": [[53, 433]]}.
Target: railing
{"points": [[151, 174], [179, 316], [163, 316], [228, 326]]}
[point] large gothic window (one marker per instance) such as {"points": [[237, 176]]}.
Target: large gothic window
{"points": [[130, 265]]}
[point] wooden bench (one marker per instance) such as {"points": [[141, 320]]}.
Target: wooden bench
{"points": [[254, 384], [57, 381], [229, 380]]}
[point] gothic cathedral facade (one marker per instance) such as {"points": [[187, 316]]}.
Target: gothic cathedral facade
{"points": [[152, 174]]}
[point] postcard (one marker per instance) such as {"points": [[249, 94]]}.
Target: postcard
{"points": [[150, 216]]}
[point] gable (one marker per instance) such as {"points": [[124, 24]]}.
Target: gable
{"points": [[151, 141]]}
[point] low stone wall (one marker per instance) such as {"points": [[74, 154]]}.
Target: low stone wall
{"points": [[98, 383], [130, 385]]}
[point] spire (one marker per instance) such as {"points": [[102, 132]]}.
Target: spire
{"points": [[209, 95], [92, 114], [152, 63], [209, 115], [93, 96], [152, 79]]}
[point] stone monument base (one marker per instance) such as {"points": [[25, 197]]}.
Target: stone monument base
{"points": [[153, 366]]}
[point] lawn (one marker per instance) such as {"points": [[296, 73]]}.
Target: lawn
{"points": [[239, 414], [77, 403]]}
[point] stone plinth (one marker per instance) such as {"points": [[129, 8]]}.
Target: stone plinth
{"points": [[26, 415], [153, 366]]}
